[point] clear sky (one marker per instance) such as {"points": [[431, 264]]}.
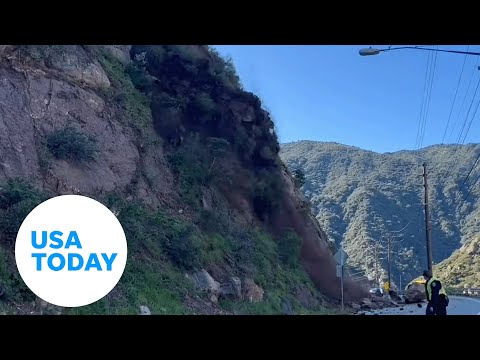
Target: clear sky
{"points": [[330, 93]]}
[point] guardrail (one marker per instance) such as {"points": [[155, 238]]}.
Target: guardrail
{"points": [[474, 292]]}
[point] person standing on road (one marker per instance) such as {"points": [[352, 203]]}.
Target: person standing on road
{"points": [[386, 287], [436, 295]]}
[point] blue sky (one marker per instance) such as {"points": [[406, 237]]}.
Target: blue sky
{"points": [[330, 93]]}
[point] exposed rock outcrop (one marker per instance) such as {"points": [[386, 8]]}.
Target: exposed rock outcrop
{"points": [[253, 292]]}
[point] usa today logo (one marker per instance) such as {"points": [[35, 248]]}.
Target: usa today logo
{"points": [[71, 251]]}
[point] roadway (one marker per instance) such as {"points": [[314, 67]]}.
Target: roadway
{"points": [[459, 305]]}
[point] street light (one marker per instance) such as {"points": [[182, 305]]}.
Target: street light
{"points": [[368, 52], [372, 51]]}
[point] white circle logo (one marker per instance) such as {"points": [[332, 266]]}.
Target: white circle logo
{"points": [[71, 251]]}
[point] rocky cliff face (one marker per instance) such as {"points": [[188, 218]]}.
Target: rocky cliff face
{"points": [[38, 99], [162, 135]]}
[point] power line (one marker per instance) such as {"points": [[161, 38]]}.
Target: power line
{"points": [[395, 231], [471, 169], [429, 95], [422, 104], [463, 126], [455, 96], [455, 155], [465, 96], [470, 123], [456, 152], [468, 112], [471, 187], [473, 148], [425, 104]]}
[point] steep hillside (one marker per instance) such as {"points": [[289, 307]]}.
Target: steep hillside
{"points": [[462, 268], [359, 197], [166, 137]]}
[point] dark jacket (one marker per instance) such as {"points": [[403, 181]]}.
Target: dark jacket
{"points": [[437, 298]]}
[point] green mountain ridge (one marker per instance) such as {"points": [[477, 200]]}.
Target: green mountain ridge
{"points": [[360, 197]]}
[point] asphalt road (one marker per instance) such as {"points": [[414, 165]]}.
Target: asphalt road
{"points": [[458, 306]]}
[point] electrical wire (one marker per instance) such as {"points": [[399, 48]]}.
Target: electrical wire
{"points": [[432, 77], [470, 123], [471, 169], [468, 112], [465, 96], [455, 96], [422, 104], [471, 187]]}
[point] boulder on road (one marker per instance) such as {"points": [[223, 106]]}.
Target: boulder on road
{"points": [[394, 296], [385, 302], [415, 293], [366, 304]]}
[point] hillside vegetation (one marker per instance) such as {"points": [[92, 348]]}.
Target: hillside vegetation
{"points": [[462, 268]]}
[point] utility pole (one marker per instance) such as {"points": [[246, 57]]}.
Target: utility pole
{"points": [[389, 262], [428, 226], [341, 277], [340, 258], [376, 265]]}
